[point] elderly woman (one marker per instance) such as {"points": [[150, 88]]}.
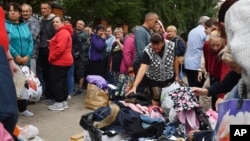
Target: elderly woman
{"points": [[97, 62], [60, 59], [21, 45], [115, 56], [159, 65]]}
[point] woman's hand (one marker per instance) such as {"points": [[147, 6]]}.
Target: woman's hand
{"points": [[25, 60], [177, 79], [131, 91], [199, 91], [19, 60], [199, 76], [13, 67]]}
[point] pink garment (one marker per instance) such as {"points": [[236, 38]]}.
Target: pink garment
{"points": [[136, 107], [128, 54], [163, 29], [155, 112], [213, 115], [189, 119], [4, 135]]}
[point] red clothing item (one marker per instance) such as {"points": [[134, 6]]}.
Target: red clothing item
{"points": [[60, 47], [213, 64], [4, 41]]}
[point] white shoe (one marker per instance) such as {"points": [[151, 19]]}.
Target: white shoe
{"points": [[69, 97], [65, 104], [57, 106], [26, 113]]}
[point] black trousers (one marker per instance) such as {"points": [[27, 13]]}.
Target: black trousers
{"points": [[192, 77], [22, 105], [98, 68], [43, 69], [58, 82]]}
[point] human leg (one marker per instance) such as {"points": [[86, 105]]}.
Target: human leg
{"points": [[43, 65], [22, 107], [70, 80], [59, 86], [192, 77]]}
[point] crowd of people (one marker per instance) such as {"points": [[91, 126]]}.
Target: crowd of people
{"points": [[62, 56]]}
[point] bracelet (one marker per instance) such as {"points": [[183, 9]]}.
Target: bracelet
{"points": [[10, 59]]}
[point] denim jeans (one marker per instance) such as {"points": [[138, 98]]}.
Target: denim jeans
{"points": [[70, 79]]}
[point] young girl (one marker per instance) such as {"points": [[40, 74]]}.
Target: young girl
{"points": [[215, 67]]}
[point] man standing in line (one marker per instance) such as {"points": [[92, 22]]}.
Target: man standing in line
{"points": [[142, 39], [34, 27], [80, 65], [194, 51], [46, 33]]}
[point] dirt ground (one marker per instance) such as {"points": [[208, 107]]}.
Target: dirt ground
{"points": [[56, 125]]}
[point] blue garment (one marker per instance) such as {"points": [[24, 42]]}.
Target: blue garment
{"points": [[147, 121], [109, 42], [233, 94], [71, 80], [97, 48], [21, 41], [194, 51], [8, 100], [142, 39], [180, 46]]}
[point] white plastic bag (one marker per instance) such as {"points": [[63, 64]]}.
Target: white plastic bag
{"points": [[33, 88], [165, 98], [28, 132], [172, 116]]}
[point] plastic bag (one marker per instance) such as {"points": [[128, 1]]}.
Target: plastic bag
{"points": [[28, 132], [166, 101], [32, 88]]}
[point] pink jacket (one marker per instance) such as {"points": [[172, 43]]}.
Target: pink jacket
{"points": [[4, 134], [128, 54]]}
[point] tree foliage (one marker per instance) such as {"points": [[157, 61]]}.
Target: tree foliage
{"points": [[184, 14]]}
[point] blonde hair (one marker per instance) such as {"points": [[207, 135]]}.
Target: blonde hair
{"points": [[214, 34], [172, 27], [118, 29], [226, 55]]}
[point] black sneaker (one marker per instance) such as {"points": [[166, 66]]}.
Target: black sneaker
{"points": [[44, 98], [79, 91]]}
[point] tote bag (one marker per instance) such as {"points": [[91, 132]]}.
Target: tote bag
{"points": [[231, 112], [95, 97]]}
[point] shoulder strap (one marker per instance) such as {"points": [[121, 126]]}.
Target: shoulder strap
{"points": [[243, 95]]}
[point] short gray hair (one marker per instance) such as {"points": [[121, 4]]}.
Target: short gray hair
{"points": [[203, 19]]}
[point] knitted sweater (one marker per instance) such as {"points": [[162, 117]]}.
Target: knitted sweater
{"points": [[237, 23], [161, 69]]}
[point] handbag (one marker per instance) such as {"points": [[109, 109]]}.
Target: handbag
{"points": [[232, 112], [95, 97]]}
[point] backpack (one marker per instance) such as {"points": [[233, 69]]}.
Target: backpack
{"points": [[180, 50]]}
